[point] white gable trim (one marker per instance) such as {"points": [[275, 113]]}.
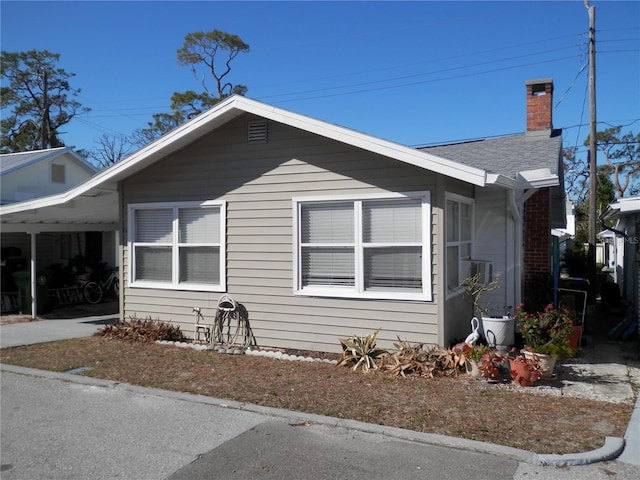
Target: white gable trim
{"points": [[226, 111], [399, 152]]}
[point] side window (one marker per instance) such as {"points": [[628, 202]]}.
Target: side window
{"points": [[459, 227], [177, 246]]}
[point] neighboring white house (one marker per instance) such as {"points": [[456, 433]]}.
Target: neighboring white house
{"points": [[610, 253], [39, 173], [320, 231], [33, 175], [627, 213]]}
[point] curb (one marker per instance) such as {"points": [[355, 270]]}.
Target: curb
{"points": [[612, 448]]}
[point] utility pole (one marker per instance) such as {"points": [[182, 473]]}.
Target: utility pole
{"points": [[593, 170]]}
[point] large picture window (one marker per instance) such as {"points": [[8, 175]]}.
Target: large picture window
{"points": [[177, 246], [366, 247], [459, 224]]}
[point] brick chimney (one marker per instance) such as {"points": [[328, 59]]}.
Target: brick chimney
{"points": [[537, 217], [539, 105]]}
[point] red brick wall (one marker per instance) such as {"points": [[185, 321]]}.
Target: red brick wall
{"points": [[537, 236], [539, 106]]}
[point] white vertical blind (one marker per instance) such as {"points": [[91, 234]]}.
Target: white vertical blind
{"points": [[392, 221], [154, 225], [153, 264], [327, 253], [199, 225], [327, 223], [328, 266], [199, 265], [393, 268]]}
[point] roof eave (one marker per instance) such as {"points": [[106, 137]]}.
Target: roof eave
{"points": [[622, 207], [538, 178], [500, 180], [232, 107]]}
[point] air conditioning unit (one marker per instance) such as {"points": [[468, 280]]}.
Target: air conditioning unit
{"points": [[483, 269]]}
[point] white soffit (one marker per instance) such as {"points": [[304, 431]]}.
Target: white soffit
{"points": [[539, 178]]}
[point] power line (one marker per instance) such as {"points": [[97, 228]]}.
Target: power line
{"points": [[452, 77]]}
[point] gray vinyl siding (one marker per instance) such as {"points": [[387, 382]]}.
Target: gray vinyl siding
{"points": [[258, 183], [490, 244], [457, 308], [491, 231]]}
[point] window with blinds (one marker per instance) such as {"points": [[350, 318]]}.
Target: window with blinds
{"points": [[392, 242], [177, 246], [377, 247]]}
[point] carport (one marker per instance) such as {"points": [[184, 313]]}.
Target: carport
{"points": [[91, 206], [95, 204]]}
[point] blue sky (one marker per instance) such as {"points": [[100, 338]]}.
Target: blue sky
{"points": [[411, 72]]}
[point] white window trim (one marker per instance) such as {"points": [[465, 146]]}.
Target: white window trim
{"points": [[174, 285], [358, 290], [461, 275]]}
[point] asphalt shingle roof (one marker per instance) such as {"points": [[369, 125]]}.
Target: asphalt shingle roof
{"points": [[14, 161], [506, 155]]}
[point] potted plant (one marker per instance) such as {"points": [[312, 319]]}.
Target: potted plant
{"points": [[546, 334], [525, 371], [498, 331], [490, 363], [468, 356]]}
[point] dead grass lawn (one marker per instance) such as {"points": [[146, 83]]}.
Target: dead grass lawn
{"points": [[459, 407]]}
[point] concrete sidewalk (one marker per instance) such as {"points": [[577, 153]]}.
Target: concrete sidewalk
{"points": [[16, 334], [606, 371]]}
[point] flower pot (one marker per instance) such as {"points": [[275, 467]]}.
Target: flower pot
{"points": [[547, 362], [576, 337], [472, 369], [520, 373], [499, 331]]}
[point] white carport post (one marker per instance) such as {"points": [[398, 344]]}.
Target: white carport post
{"points": [[34, 303]]}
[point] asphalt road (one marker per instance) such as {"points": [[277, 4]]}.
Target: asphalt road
{"points": [[61, 429]]}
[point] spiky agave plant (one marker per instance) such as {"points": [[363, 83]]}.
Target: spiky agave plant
{"points": [[362, 352]]}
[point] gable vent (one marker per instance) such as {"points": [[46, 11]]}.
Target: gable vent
{"points": [[257, 132]]}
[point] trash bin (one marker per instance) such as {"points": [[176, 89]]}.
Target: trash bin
{"points": [[23, 280]]}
